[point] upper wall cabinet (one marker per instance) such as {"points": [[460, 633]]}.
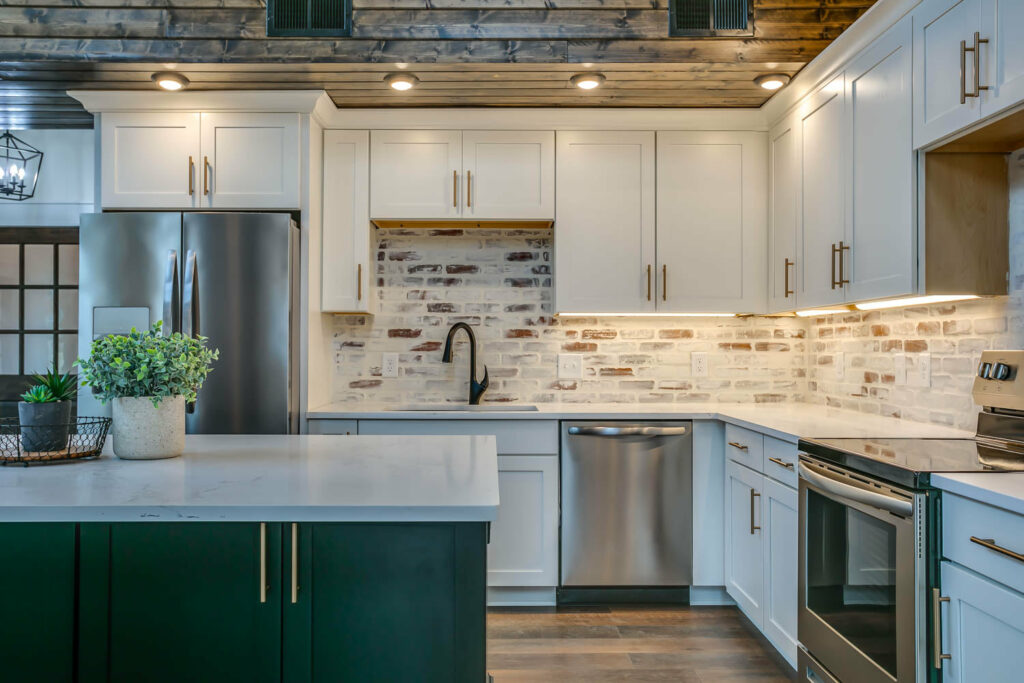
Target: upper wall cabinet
{"points": [[711, 218], [347, 257], [783, 213], [190, 160], [484, 175], [605, 218]]}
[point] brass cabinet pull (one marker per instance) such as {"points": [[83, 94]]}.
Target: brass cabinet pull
{"points": [[295, 563], [736, 444], [963, 71], [991, 544], [206, 168], [978, 42], [782, 463], [834, 250], [788, 291], [664, 282], [469, 189], [359, 282], [263, 562], [843, 247], [455, 189], [191, 173], [648, 282], [753, 527], [937, 601]]}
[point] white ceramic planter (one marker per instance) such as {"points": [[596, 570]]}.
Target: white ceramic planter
{"points": [[143, 431]]}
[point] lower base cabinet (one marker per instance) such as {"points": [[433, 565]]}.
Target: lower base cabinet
{"points": [[524, 538], [281, 602]]}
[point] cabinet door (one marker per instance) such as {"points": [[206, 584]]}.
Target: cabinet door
{"points": [[1002, 60], [604, 242], [508, 174], [250, 161], [822, 196], [386, 602], [939, 83], [346, 269], [744, 549], [781, 534], [415, 174], [881, 229], [37, 613], [784, 214], [524, 539], [173, 599], [983, 628], [150, 161], [711, 221]]}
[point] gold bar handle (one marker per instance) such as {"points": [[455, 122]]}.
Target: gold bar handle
{"points": [[455, 189], [782, 463], [295, 563], [991, 544], [263, 562], [978, 42], [788, 291], [648, 282], [834, 250], [664, 282], [753, 527], [963, 72], [843, 247], [191, 176], [469, 189], [206, 169], [736, 444], [937, 601], [359, 282]]}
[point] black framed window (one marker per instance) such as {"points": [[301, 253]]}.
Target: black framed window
{"points": [[38, 305], [316, 18], [711, 18]]}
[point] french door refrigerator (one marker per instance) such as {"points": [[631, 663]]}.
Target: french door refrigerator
{"points": [[231, 277]]}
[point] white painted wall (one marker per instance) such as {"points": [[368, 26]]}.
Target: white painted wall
{"points": [[65, 187]]}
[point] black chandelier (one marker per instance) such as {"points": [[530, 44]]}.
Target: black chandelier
{"points": [[19, 168]]}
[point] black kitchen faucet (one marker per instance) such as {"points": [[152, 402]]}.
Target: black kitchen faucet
{"points": [[476, 389]]}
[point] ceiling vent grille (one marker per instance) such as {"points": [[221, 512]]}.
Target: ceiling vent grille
{"points": [[711, 18], [323, 18]]}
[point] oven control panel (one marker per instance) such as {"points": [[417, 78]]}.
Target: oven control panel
{"points": [[1000, 380]]}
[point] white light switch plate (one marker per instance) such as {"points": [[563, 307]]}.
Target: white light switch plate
{"points": [[570, 366], [839, 361], [900, 370], [389, 365], [699, 364]]}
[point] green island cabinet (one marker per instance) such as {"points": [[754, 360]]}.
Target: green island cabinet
{"points": [[239, 601]]}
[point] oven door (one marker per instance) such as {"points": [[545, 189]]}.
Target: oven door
{"points": [[862, 575]]}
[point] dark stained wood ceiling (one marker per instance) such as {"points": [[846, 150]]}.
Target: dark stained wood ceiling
{"points": [[465, 52]]}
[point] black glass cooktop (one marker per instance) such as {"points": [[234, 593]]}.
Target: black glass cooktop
{"points": [[910, 462]]}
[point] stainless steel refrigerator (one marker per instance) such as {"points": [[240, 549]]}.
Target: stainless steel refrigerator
{"points": [[231, 277]]}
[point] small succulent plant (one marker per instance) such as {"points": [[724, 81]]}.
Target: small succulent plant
{"points": [[38, 394], [51, 387]]}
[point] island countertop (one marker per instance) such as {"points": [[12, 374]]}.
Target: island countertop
{"points": [[268, 478]]}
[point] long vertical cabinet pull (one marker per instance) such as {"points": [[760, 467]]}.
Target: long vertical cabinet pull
{"points": [[978, 42], [206, 175], [834, 250], [788, 291], [664, 282], [469, 189], [359, 282], [963, 71], [753, 519], [295, 563], [263, 562], [455, 189], [648, 282], [191, 176], [843, 248], [937, 601]]}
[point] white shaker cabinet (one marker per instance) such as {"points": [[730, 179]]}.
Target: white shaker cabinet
{"points": [[250, 161], [744, 540], [781, 535], [150, 160], [524, 538], [1003, 57], [508, 175], [880, 224], [711, 221], [783, 214], [605, 222], [347, 247], [414, 174]]}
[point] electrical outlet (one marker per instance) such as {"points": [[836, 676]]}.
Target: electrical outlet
{"points": [[924, 370], [839, 362], [570, 366], [900, 370], [389, 365], [699, 364]]}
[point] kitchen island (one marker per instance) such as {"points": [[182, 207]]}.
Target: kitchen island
{"points": [[252, 558]]}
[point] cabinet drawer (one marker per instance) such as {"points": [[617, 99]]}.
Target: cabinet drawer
{"points": [[744, 446], [515, 437], [963, 519], [777, 455]]}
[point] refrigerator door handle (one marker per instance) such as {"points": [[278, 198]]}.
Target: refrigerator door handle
{"points": [[172, 294], [190, 307]]}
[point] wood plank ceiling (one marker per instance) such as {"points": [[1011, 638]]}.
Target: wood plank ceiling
{"points": [[465, 52]]}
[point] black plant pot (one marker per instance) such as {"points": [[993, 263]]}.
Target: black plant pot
{"points": [[44, 426]]}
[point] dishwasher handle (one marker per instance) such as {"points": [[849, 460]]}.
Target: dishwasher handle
{"points": [[608, 430]]}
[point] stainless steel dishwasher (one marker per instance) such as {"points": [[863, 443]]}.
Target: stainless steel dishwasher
{"points": [[627, 514]]}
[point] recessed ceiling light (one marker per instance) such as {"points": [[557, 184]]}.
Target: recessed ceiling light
{"points": [[587, 81], [772, 81], [401, 81], [168, 80]]}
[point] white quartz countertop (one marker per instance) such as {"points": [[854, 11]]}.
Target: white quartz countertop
{"points": [[1001, 489], [789, 421], [269, 478]]}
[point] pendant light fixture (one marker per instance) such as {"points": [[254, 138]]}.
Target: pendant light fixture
{"points": [[19, 168]]}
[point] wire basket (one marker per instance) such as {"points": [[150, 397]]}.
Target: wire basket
{"points": [[85, 439]]}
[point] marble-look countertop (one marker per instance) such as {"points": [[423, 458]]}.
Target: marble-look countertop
{"points": [[268, 478], [788, 421], [1001, 489]]}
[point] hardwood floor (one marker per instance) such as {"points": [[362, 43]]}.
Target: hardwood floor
{"points": [[596, 644]]}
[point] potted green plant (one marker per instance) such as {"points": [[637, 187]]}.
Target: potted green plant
{"points": [[148, 377], [44, 412]]}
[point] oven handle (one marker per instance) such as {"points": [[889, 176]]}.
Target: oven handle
{"points": [[822, 480]]}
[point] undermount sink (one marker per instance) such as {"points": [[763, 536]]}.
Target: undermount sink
{"points": [[465, 408]]}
